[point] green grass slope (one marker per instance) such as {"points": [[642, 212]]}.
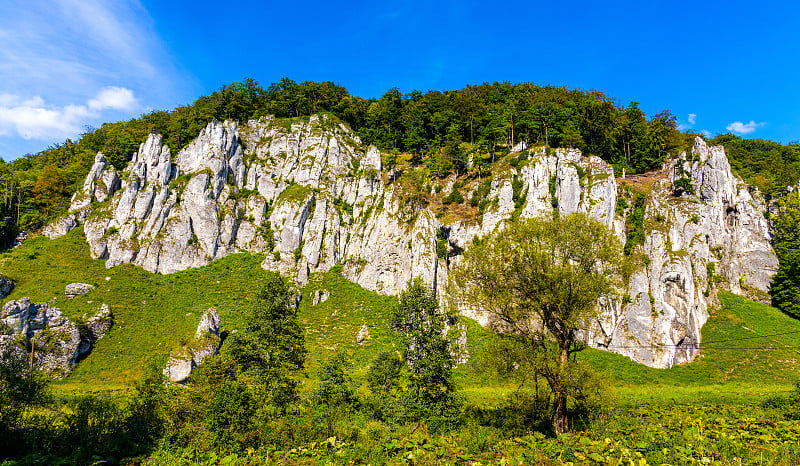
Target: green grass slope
{"points": [[749, 350]]}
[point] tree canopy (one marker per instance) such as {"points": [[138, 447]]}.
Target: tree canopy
{"points": [[785, 288], [439, 128], [543, 282]]}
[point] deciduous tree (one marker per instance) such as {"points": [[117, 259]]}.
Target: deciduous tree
{"points": [[543, 281], [785, 288]]}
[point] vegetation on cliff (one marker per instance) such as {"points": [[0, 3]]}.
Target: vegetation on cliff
{"points": [[436, 128]]}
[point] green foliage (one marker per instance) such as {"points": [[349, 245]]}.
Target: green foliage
{"points": [[634, 224], [229, 414], [622, 204], [342, 205], [551, 188], [683, 185], [517, 195], [265, 231], [270, 348], [335, 385], [442, 246], [50, 189], [552, 272], [20, 389], [785, 289], [426, 351], [455, 196]]}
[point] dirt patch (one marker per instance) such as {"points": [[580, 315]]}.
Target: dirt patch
{"points": [[643, 180]]}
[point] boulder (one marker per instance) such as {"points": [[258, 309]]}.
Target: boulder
{"points": [[60, 227], [206, 343], [77, 289], [320, 296], [54, 340], [6, 286], [100, 323]]}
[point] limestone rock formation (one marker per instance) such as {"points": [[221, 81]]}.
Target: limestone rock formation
{"points": [[60, 227], [56, 341], [6, 286], [320, 296], [309, 195], [714, 239], [77, 289], [99, 324], [206, 343], [101, 183]]}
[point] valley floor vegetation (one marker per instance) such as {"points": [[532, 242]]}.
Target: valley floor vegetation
{"points": [[295, 385]]}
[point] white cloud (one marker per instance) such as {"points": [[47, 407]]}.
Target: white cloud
{"points": [[117, 98], [33, 118], [706, 132], [692, 119], [63, 51], [743, 128]]}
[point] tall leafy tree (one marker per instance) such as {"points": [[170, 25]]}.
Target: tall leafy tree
{"points": [[426, 349], [50, 188], [542, 281], [270, 348], [785, 288]]}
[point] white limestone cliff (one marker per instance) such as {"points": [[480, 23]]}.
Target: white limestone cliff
{"points": [[309, 195]]}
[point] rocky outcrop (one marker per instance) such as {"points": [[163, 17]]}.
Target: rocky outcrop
{"points": [[99, 324], [320, 296], [206, 343], [697, 243], [309, 196], [77, 289], [56, 342], [6, 286], [61, 226], [100, 184]]}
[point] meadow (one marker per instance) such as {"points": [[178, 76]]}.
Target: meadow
{"points": [[736, 403]]}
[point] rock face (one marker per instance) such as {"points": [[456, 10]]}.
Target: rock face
{"points": [[695, 244], [100, 184], [99, 324], [206, 343], [309, 195], [56, 341]]}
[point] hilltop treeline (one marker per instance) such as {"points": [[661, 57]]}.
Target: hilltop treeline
{"points": [[437, 127]]}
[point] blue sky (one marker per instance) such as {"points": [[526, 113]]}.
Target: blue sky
{"points": [[718, 66]]}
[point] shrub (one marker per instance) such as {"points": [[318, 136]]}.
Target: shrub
{"points": [[454, 197]]}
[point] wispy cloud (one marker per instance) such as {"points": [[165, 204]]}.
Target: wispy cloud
{"points": [[65, 64], [691, 120], [743, 128], [34, 119]]}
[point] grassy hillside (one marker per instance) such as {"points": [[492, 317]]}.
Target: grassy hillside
{"points": [[710, 410], [749, 350]]}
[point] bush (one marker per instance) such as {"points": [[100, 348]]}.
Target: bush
{"points": [[336, 387], [454, 197]]}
